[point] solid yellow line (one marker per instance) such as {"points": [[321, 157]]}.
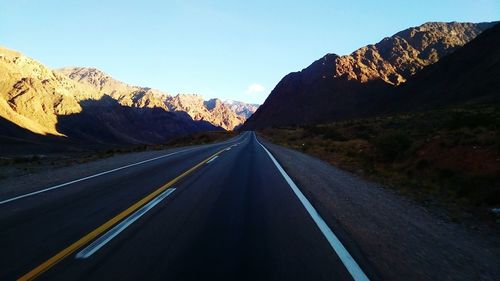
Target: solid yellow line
{"points": [[107, 225]]}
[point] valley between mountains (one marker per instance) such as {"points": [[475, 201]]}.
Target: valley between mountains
{"points": [[86, 105], [383, 164]]}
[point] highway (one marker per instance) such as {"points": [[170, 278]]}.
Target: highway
{"points": [[225, 211]]}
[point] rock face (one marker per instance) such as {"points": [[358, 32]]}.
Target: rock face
{"points": [[219, 114], [86, 104], [469, 75], [336, 87], [35, 99], [127, 95], [32, 96], [213, 110], [242, 109]]}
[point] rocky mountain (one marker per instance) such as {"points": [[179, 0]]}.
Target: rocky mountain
{"points": [[127, 95], [242, 109], [338, 87], [219, 114], [468, 75], [35, 99], [33, 96], [213, 110]]}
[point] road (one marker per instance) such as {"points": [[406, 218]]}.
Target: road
{"points": [[216, 212]]}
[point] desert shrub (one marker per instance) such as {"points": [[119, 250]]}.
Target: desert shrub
{"points": [[487, 139], [479, 190], [422, 164], [333, 134], [461, 119], [393, 145], [327, 132], [362, 135], [445, 173], [312, 130]]}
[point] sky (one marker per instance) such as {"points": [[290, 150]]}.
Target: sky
{"points": [[229, 49]]}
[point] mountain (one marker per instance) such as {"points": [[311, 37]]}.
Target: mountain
{"points": [[470, 74], [37, 100], [127, 95], [357, 85], [33, 96], [219, 115], [242, 109], [213, 110]]}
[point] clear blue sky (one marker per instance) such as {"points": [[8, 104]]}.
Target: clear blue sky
{"points": [[214, 48]]}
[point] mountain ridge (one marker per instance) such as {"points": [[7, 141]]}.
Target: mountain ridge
{"points": [[137, 96], [37, 102], [338, 87]]}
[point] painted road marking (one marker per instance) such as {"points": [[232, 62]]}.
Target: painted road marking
{"points": [[213, 158], [112, 233], [90, 177], [346, 258], [107, 225], [97, 175]]}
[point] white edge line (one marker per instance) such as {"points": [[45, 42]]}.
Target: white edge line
{"points": [[212, 159], [90, 177], [99, 174], [112, 233], [346, 258]]}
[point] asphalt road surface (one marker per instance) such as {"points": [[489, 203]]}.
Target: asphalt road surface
{"points": [[217, 212]]}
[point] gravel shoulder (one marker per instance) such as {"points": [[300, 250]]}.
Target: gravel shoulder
{"points": [[61, 170], [393, 237]]}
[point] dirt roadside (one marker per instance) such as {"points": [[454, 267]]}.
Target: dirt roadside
{"points": [[25, 173], [45, 175], [396, 238]]}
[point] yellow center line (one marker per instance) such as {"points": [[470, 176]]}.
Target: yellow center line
{"points": [[107, 225]]}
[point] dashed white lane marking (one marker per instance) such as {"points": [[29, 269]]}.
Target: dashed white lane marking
{"points": [[90, 177], [112, 233], [346, 258], [103, 173], [213, 158]]}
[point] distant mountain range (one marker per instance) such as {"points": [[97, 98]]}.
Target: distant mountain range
{"points": [[242, 109], [87, 104], [214, 111], [384, 77], [435, 64]]}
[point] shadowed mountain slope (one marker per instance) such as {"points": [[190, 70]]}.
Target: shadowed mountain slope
{"points": [[220, 115], [38, 100], [358, 85], [471, 74]]}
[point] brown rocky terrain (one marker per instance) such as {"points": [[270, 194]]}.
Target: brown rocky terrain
{"points": [[86, 104], [242, 109], [219, 115], [35, 100], [213, 110], [468, 75], [338, 87], [127, 95], [32, 96]]}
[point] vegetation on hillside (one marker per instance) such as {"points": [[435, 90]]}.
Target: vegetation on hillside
{"points": [[447, 156]]}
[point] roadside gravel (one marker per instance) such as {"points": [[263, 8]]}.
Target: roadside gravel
{"points": [[48, 175], [392, 237]]}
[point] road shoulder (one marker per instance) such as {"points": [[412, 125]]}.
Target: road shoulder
{"points": [[48, 176], [392, 235]]}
